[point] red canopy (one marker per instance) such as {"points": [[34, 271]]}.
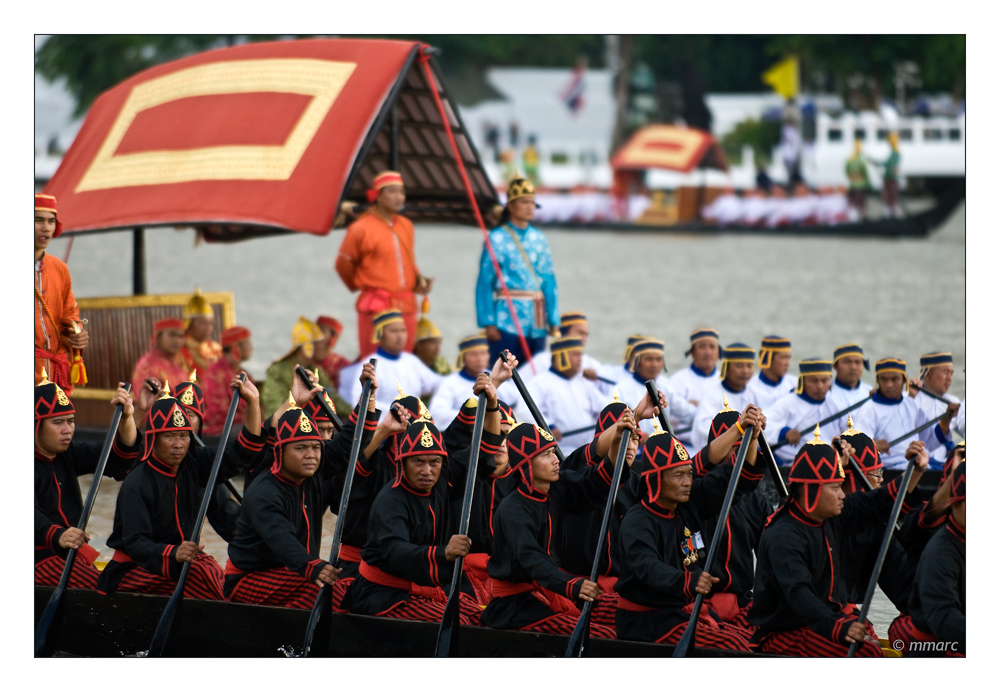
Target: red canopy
{"points": [[674, 148], [264, 138]]}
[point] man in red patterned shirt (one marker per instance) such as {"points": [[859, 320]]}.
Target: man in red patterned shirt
{"points": [[237, 348]]}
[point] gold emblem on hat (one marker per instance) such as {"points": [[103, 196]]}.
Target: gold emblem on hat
{"points": [[326, 398], [840, 468], [546, 435], [187, 398], [426, 438], [304, 424], [61, 396], [178, 418], [682, 453]]}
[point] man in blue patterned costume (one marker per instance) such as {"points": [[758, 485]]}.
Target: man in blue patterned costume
{"points": [[526, 266]]}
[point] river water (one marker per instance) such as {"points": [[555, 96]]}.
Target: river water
{"points": [[895, 297]]}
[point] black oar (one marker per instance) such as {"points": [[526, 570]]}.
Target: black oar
{"points": [[174, 604], [883, 549], [931, 394], [318, 627], [530, 403], [916, 431], [828, 419], [685, 644], [49, 622], [237, 493], [654, 396], [447, 640], [581, 633], [304, 376], [772, 466]]}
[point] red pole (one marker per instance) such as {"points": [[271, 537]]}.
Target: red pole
{"points": [[432, 83]]}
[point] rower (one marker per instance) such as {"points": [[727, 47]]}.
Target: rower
{"points": [[692, 382], [936, 623], [773, 380], [801, 409], [733, 595], [409, 554], [896, 578], [647, 364], [936, 372], [849, 363], [159, 499], [567, 401], [274, 558], [576, 324], [732, 385], [661, 543], [530, 590], [800, 598], [473, 358], [395, 365], [59, 462], [890, 415], [223, 510]]}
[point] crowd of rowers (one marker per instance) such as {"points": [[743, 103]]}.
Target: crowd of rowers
{"points": [[788, 582]]}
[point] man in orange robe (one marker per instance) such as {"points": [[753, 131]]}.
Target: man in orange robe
{"points": [[377, 259], [59, 334]]}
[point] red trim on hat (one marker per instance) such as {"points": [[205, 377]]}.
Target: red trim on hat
{"points": [[167, 323], [234, 335], [330, 322]]}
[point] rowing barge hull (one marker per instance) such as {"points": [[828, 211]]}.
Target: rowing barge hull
{"points": [[122, 624]]}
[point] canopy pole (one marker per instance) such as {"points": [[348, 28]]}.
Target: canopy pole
{"points": [[138, 262], [432, 84]]}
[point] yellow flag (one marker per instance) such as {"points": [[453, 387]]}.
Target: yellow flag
{"points": [[784, 77]]}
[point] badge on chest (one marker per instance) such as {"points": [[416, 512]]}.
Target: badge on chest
{"points": [[692, 547]]}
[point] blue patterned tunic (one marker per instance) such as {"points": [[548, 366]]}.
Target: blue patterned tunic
{"points": [[518, 277]]}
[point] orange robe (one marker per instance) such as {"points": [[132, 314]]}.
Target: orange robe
{"points": [[378, 261], [52, 280]]}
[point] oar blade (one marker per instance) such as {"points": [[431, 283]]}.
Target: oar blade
{"points": [[683, 647], [166, 623], [447, 639], [318, 628], [581, 633], [47, 625]]}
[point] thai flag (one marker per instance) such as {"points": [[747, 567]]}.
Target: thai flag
{"points": [[572, 95]]}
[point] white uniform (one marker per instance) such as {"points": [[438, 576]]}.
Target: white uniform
{"points": [[958, 425], [843, 397], [567, 405], [543, 363], [680, 413], [883, 419], [710, 406], [456, 389], [766, 391], [413, 376], [933, 408], [691, 383], [798, 412]]}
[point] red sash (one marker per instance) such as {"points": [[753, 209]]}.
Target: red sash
{"points": [[232, 569], [555, 602], [377, 576], [628, 605], [120, 556], [349, 553], [724, 604]]}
